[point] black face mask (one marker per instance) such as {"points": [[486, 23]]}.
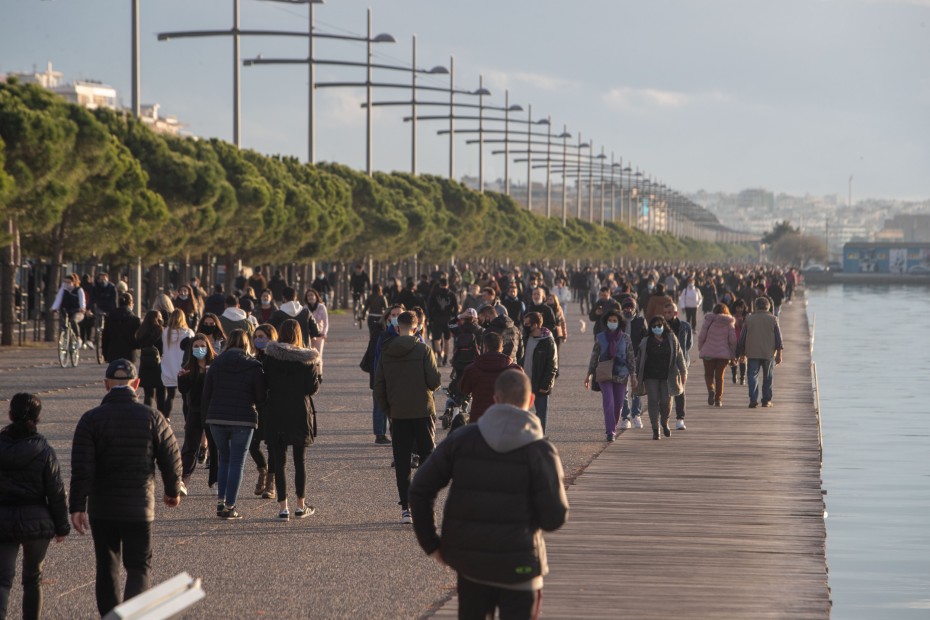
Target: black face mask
{"points": [[208, 330]]}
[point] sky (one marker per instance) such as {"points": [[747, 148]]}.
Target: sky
{"points": [[793, 96]]}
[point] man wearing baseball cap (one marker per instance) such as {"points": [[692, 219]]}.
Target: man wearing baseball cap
{"points": [[116, 449]]}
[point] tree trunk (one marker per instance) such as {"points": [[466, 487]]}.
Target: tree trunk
{"points": [[8, 311], [54, 277]]}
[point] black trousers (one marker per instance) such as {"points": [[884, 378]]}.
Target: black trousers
{"points": [[129, 541], [33, 558], [405, 434], [478, 602], [691, 317], [279, 462], [193, 431], [255, 450]]}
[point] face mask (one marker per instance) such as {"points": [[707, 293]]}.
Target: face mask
{"points": [[199, 352], [182, 297], [393, 322], [209, 330], [612, 326], [649, 287], [260, 343], [68, 286], [657, 331], [266, 302], [627, 315]]}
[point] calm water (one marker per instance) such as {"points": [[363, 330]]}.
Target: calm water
{"points": [[872, 349]]}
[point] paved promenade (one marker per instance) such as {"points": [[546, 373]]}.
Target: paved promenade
{"points": [[723, 520]]}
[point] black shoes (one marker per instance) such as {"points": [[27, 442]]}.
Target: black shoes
{"points": [[655, 434], [766, 403], [710, 398], [666, 430], [753, 405], [382, 440]]}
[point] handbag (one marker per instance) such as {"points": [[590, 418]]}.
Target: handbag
{"points": [[604, 371]]}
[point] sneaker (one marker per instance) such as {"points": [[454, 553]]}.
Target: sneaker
{"points": [[710, 398], [89, 345], [666, 430], [382, 440], [637, 422], [306, 511], [414, 461], [212, 489], [767, 403], [220, 507], [753, 405], [284, 515], [182, 489], [202, 455], [718, 403], [405, 517], [610, 437], [231, 514], [680, 425], [625, 424]]}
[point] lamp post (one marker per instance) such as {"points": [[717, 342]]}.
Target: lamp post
{"points": [[136, 105], [507, 110], [482, 91]]}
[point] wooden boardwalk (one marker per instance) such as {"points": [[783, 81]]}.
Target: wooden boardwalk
{"points": [[723, 520]]}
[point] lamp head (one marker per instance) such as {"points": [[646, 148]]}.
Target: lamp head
{"points": [[384, 38]]}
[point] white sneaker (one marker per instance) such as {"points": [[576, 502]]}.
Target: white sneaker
{"points": [[90, 345], [405, 517], [625, 424], [213, 489], [637, 422], [680, 425], [182, 489]]}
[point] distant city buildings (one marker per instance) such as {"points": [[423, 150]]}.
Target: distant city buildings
{"points": [[92, 94]]}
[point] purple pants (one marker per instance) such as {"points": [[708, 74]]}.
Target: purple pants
{"points": [[613, 395]]}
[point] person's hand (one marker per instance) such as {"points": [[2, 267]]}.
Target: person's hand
{"points": [[587, 382], [172, 502], [778, 357], [437, 556], [58, 539], [183, 372], [81, 522], [633, 382]]}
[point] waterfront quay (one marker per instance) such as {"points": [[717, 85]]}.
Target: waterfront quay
{"points": [[724, 520]]}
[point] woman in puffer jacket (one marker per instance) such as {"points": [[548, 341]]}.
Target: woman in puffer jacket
{"points": [[32, 503], [717, 346]]}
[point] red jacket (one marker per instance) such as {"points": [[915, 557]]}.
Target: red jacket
{"points": [[478, 380]]}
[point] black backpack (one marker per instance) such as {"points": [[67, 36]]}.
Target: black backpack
{"points": [[465, 349]]}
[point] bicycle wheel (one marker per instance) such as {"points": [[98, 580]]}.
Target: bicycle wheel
{"points": [[63, 347], [74, 350], [98, 341]]}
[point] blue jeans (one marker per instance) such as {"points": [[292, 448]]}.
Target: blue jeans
{"points": [[378, 419], [637, 406], [542, 408], [752, 375], [232, 443]]}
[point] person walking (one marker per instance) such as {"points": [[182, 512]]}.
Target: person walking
{"points": [[690, 300], [174, 334], [662, 373], [234, 386], [264, 486], [612, 348], [33, 508], [506, 489], [717, 348], [292, 374], [479, 377], [540, 363], [190, 383], [739, 311], [760, 341], [316, 307], [405, 380], [150, 343], [681, 329], [117, 447], [119, 332]]}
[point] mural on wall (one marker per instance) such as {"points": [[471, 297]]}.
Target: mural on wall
{"points": [[897, 262]]}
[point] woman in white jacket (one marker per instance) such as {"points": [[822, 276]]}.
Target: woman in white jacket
{"points": [[318, 312], [172, 357]]}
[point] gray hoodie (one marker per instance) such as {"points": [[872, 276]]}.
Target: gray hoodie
{"points": [[506, 427]]}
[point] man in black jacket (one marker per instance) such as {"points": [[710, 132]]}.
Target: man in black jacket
{"points": [[507, 487], [119, 332], [116, 449], [511, 335]]}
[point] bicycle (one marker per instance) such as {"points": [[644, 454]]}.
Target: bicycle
{"points": [[69, 349], [456, 405], [358, 309], [99, 322]]}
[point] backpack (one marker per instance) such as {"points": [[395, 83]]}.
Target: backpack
{"points": [[465, 349]]}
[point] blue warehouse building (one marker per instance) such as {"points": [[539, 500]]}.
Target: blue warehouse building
{"points": [[893, 258]]}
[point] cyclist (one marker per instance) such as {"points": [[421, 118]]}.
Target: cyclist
{"points": [[103, 298], [359, 284], [70, 302]]}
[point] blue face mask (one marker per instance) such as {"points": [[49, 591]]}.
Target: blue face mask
{"points": [[260, 343], [199, 352], [657, 331], [393, 322], [612, 326]]}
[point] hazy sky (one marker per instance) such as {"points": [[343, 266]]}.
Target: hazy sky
{"points": [[790, 95]]}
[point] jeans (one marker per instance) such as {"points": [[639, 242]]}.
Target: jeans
{"points": [[613, 396], [713, 376], [405, 434], [279, 458], [232, 443], [752, 374], [680, 406], [131, 540], [478, 601], [776, 309], [542, 408], [33, 558], [378, 419], [660, 403], [632, 407], [691, 317]]}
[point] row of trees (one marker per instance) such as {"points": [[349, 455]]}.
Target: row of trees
{"points": [[81, 185]]}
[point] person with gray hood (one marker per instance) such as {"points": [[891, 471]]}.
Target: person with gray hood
{"points": [[507, 488]]}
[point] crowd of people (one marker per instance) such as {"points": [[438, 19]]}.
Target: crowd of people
{"points": [[247, 368]]}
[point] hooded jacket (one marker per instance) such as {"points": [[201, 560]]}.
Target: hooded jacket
{"points": [[545, 362], [478, 380], [510, 334], [677, 369], [292, 375], [235, 318], [506, 489], [116, 449], [235, 384], [32, 495], [293, 310], [119, 335], [717, 339], [406, 378]]}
